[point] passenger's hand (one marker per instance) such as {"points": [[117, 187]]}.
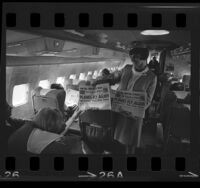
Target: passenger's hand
{"points": [[76, 113], [100, 80], [74, 107]]}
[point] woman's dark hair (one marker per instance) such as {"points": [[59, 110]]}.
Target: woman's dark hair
{"points": [[56, 86], [105, 72], [50, 120], [143, 52]]}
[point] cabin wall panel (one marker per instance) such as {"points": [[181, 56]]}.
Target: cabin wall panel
{"points": [[33, 74], [9, 72], [22, 75], [47, 72]]}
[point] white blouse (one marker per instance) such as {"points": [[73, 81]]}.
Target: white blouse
{"points": [[135, 76]]}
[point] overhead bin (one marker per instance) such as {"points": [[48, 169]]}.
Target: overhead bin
{"points": [[54, 47]]}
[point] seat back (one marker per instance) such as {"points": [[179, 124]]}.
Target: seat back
{"points": [[17, 143], [180, 122], [52, 98], [97, 128]]}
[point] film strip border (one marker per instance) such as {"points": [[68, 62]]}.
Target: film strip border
{"points": [[84, 20], [99, 167], [99, 15]]}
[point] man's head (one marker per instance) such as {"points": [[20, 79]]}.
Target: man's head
{"points": [[139, 57], [105, 72], [56, 86]]}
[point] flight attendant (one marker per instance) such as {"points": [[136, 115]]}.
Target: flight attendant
{"points": [[135, 77]]}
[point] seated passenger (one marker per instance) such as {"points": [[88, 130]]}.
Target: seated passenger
{"points": [[105, 72], [68, 110], [56, 86], [11, 122], [46, 135]]}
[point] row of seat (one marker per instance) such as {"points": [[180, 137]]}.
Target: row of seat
{"points": [[97, 137], [53, 98]]}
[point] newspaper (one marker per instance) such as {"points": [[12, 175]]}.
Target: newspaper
{"points": [[72, 97], [97, 97], [129, 103]]}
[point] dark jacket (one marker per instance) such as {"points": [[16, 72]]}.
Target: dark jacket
{"points": [[15, 123], [11, 125], [17, 143]]}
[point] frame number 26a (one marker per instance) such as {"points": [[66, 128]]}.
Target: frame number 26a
{"points": [[110, 174]]}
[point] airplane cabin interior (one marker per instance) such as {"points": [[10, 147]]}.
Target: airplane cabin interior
{"points": [[36, 59]]}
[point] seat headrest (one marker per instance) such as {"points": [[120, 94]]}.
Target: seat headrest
{"points": [[44, 92], [36, 91], [54, 98]]}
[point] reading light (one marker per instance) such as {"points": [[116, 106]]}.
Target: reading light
{"points": [[75, 32], [155, 32], [14, 45], [103, 38]]}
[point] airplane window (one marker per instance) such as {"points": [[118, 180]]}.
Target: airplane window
{"points": [[82, 76], [44, 84], [61, 80], [89, 73], [99, 74], [95, 74], [20, 95], [72, 76]]}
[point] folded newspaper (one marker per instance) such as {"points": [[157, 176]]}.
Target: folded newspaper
{"points": [[129, 103], [95, 97], [101, 97]]}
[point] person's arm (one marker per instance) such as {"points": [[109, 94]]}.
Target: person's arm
{"points": [[150, 91], [16, 123], [71, 120], [112, 79]]}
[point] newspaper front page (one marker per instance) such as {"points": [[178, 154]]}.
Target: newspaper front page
{"points": [[97, 97], [129, 103]]}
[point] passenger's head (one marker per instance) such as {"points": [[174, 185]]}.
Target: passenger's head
{"points": [[49, 119], [105, 72], [139, 57], [82, 83], [56, 86]]}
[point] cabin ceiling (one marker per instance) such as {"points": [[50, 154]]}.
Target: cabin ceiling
{"points": [[178, 37], [87, 43], [13, 36]]}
